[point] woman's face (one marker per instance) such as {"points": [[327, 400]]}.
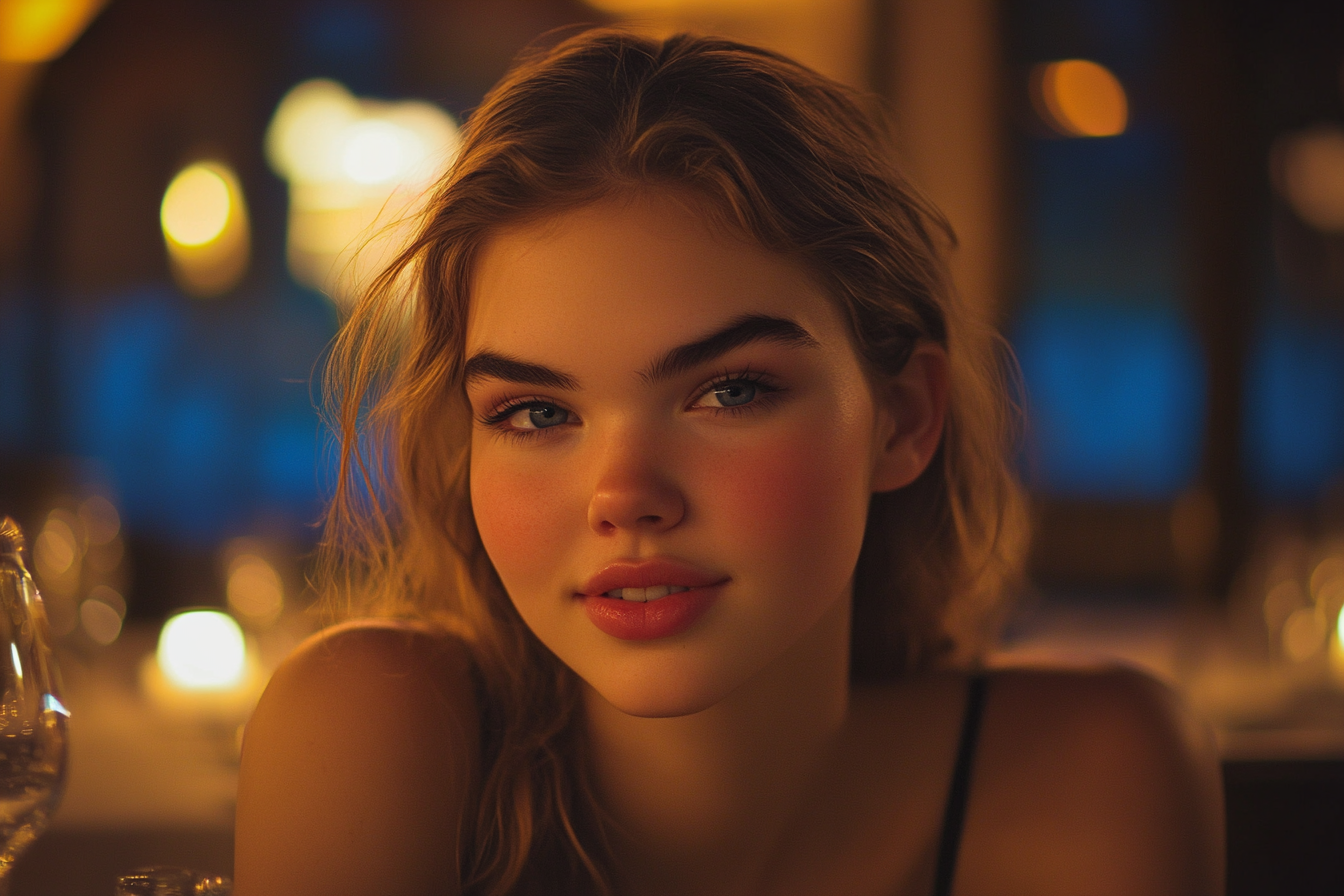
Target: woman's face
{"points": [[665, 412]]}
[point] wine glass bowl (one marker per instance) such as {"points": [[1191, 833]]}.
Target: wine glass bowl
{"points": [[33, 721]]}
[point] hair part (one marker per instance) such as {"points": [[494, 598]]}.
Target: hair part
{"points": [[777, 153]]}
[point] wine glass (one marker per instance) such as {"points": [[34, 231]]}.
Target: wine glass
{"points": [[33, 720]]}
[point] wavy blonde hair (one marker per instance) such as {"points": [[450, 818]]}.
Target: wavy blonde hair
{"points": [[779, 153]]}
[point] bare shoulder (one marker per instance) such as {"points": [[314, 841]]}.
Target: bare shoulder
{"points": [[1093, 781], [357, 763]]}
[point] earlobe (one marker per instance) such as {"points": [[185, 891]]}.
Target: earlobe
{"points": [[913, 408]]}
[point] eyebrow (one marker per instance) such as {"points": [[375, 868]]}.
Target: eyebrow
{"points": [[740, 331]]}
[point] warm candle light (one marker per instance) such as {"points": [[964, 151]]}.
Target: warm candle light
{"points": [[202, 650]]}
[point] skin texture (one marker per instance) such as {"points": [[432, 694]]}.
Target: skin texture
{"points": [[734, 757]]}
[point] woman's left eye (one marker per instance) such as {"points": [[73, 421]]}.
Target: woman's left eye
{"points": [[537, 416], [733, 393], [523, 418]]}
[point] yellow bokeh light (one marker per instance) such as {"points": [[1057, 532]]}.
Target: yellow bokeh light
{"points": [[373, 152], [357, 171], [39, 30], [205, 228], [56, 549], [254, 588], [1304, 633], [1280, 603], [101, 622], [202, 650], [1080, 98], [196, 205], [308, 124]]}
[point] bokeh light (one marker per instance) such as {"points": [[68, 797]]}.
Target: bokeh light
{"points": [[1080, 98], [205, 228], [101, 520], [56, 548], [195, 206], [1304, 633], [1307, 168], [358, 170], [255, 590], [39, 30], [202, 650], [1339, 628], [1281, 602], [101, 614]]}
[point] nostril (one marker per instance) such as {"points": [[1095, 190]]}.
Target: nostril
{"points": [[634, 503]]}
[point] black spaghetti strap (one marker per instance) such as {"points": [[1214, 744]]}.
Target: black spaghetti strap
{"points": [[954, 814]]}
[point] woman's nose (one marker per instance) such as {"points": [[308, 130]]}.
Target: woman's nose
{"points": [[630, 495]]}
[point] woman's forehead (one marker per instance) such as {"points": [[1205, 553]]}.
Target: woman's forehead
{"points": [[649, 265]]}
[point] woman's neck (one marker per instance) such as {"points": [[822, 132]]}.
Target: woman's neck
{"points": [[698, 803]]}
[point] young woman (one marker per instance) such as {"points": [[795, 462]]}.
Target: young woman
{"points": [[684, 472]]}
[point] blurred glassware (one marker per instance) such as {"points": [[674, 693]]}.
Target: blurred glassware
{"points": [[167, 880], [33, 720]]}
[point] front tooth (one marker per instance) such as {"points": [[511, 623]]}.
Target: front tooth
{"points": [[654, 592]]}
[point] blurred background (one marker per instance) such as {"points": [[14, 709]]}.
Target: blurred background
{"points": [[1149, 196]]}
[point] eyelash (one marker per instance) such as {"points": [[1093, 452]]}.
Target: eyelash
{"points": [[499, 417], [769, 392]]}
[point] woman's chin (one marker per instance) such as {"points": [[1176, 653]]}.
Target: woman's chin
{"points": [[660, 700]]}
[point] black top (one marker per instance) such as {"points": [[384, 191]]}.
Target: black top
{"points": [[954, 814]]}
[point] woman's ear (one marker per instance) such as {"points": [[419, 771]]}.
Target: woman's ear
{"points": [[910, 413]]}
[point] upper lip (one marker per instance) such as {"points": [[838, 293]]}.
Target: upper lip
{"points": [[648, 573]]}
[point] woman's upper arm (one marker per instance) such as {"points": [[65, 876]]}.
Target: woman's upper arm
{"points": [[1093, 782], [356, 766]]}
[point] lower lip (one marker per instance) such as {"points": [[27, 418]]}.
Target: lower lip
{"points": [[632, 620]]}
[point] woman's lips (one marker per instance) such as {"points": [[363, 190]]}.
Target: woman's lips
{"points": [[649, 599], [651, 573], [632, 620]]}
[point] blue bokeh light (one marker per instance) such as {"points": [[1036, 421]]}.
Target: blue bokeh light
{"points": [[200, 418], [1294, 409], [1115, 398]]}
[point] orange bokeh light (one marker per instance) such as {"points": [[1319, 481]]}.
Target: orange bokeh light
{"points": [[1080, 98]]}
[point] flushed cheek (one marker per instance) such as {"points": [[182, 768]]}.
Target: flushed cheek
{"points": [[515, 512], [796, 504]]}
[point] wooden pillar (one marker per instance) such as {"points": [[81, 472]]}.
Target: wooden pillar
{"points": [[943, 64]]}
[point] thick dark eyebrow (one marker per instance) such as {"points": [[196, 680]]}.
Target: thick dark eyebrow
{"points": [[488, 364], [739, 332]]}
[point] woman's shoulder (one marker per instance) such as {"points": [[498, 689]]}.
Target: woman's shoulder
{"points": [[377, 715], [400, 647], [392, 672], [1091, 780]]}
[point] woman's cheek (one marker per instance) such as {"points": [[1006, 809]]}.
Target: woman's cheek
{"points": [[792, 499], [515, 510]]}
